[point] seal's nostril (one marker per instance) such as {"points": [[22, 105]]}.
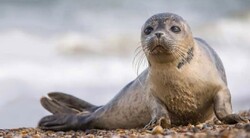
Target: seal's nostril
{"points": [[158, 34]]}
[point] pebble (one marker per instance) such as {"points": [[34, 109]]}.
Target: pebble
{"points": [[217, 122], [157, 130], [224, 133], [90, 136], [60, 133], [8, 136], [239, 125], [200, 126], [195, 130], [167, 132], [36, 136], [200, 135], [24, 132], [188, 134], [247, 127], [90, 131], [133, 136], [207, 126]]}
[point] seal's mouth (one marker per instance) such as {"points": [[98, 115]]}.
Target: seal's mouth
{"points": [[158, 48]]}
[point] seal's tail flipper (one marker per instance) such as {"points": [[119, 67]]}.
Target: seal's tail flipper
{"points": [[65, 122], [56, 108], [65, 103]]}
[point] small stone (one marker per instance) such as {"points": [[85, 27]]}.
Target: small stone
{"points": [[239, 125], [23, 132], [190, 126], [168, 132], [36, 136], [224, 133], [189, 134], [217, 122], [90, 136], [67, 136], [199, 126], [25, 136], [122, 136], [247, 127], [157, 130], [91, 131], [207, 126], [144, 133], [9, 136], [183, 129], [133, 136], [195, 130], [60, 133], [200, 135], [120, 131]]}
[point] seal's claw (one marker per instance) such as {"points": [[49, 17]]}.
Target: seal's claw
{"points": [[162, 121], [151, 124]]}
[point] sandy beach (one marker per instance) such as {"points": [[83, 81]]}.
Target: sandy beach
{"points": [[203, 130], [198, 131]]}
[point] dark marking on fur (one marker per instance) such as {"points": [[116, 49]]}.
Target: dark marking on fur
{"points": [[187, 59]]}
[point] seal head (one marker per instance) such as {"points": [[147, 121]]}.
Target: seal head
{"points": [[165, 37]]}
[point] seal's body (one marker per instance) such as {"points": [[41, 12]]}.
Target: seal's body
{"points": [[184, 83]]}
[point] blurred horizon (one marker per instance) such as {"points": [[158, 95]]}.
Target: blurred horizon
{"points": [[86, 48]]}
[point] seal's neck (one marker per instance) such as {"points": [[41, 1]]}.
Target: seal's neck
{"points": [[187, 58]]}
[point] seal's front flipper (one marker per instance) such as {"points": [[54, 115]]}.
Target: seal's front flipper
{"points": [[72, 101], [64, 122], [159, 114], [234, 118], [56, 108], [223, 108]]}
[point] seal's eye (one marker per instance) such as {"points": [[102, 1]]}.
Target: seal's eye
{"points": [[148, 30], [175, 29]]}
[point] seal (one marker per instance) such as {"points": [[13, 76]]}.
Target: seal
{"points": [[184, 83]]}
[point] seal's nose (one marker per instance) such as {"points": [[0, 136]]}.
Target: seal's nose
{"points": [[158, 34]]}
